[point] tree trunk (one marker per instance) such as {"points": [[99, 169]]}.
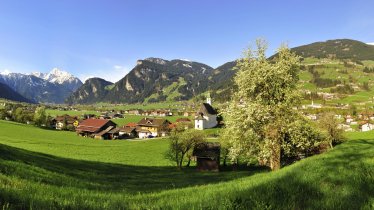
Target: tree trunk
{"points": [[189, 162], [275, 159], [181, 162]]}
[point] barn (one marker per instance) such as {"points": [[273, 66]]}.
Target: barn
{"points": [[207, 156], [97, 128]]}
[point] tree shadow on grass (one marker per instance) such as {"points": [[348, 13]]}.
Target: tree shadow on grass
{"points": [[341, 179], [90, 175]]}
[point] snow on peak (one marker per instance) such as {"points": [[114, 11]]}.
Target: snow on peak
{"points": [[58, 76], [5, 72], [38, 74], [184, 59]]}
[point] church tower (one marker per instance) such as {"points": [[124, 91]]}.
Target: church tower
{"points": [[208, 99]]}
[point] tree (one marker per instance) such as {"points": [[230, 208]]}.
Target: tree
{"points": [[181, 143], [261, 110], [330, 125], [40, 116]]}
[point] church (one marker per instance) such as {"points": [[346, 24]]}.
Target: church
{"points": [[206, 117]]}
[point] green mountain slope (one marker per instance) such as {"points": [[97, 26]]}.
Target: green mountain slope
{"points": [[93, 90], [338, 48]]}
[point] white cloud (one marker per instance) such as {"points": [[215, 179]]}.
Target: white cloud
{"points": [[114, 75], [370, 43]]}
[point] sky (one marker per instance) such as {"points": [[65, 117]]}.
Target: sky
{"points": [[105, 38]]}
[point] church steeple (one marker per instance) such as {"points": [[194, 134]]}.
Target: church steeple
{"points": [[208, 99]]}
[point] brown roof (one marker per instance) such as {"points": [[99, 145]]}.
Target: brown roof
{"points": [[68, 118], [92, 125], [183, 120], [127, 129], [104, 131], [207, 109], [152, 122]]}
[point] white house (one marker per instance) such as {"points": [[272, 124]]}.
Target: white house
{"points": [[367, 127], [206, 117]]}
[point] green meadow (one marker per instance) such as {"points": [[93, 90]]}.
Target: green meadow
{"points": [[47, 169]]}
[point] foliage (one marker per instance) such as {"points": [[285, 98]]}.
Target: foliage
{"points": [[182, 142], [258, 117], [40, 117], [330, 124]]}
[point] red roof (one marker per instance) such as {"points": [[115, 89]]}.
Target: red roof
{"points": [[91, 125], [130, 124]]}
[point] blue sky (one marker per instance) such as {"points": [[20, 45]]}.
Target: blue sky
{"points": [[104, 38]]}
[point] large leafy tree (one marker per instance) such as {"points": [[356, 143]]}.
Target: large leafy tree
{"points": [[182, 142], [260, 119]]}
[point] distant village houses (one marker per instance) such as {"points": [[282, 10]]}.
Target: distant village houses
{"points": [[64, 122]]}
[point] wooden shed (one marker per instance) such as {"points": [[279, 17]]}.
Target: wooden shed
{"points": [[207, 156]]}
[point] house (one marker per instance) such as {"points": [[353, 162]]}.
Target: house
{"points": [[349, 119], [345, 127], [313, 117], [155, 127], [128, 132], [115, 115], [206, 117], [365, 126], [97, 128], [62, 122], [207, 156], [109, 133]]}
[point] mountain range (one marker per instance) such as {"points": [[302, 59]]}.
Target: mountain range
{"points": [[53, 87], [156, 79]]}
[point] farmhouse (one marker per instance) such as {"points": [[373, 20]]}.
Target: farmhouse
{"points": [[98, 128], [207, 156], [365, 126], [206, 117], [153, 127], [128, 132], [60, 122]]}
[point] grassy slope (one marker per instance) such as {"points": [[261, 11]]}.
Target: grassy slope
{"points": [[340, 179]]}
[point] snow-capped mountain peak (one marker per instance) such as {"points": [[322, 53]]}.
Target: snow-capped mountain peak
{"points": [[5, 72], [58, 76]]}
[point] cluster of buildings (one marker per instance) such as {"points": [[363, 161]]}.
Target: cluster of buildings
{"points": [[348, 122], [103, 127]]}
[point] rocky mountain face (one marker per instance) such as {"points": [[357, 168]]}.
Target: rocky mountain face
{"points": [[8, 93], [93, 90], [155, 79], [53, 87]]}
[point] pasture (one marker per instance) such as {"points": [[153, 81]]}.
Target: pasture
{"points": [[45, 169]]}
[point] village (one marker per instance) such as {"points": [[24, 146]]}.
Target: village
{"points": [[152, 125]]}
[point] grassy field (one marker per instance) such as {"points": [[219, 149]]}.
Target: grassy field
{"points": [[43, 169]]}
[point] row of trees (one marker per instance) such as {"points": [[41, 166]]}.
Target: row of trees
{"points": [[25, 114]]}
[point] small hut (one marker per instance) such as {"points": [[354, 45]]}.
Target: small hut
{"points": [[207, 156]]}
